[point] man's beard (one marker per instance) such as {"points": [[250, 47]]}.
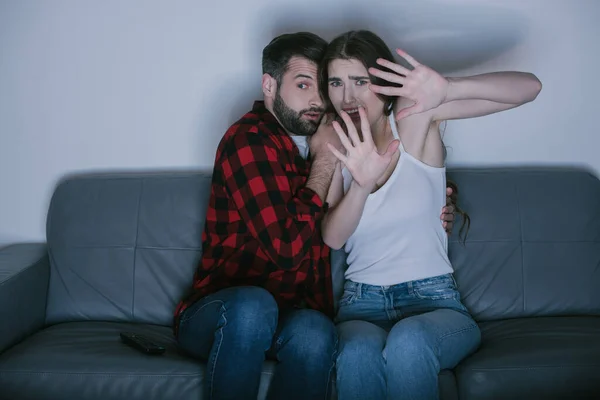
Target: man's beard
{"points": [[292, 120]]}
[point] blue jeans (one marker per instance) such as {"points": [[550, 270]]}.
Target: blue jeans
{"points": [[394, 340], [235, 329]]}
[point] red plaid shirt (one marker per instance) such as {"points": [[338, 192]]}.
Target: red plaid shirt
{"points": [[263, 224]]}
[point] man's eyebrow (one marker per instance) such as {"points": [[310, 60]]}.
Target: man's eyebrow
{"points": [[334, 79], [304, 76]]}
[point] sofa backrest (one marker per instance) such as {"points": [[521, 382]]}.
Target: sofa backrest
{"points": [[124, 247], [534, 244]]}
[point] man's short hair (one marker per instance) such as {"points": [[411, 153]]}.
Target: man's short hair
{"points": [[279, 51]]}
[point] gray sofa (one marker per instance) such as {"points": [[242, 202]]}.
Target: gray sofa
{"points": [[121, 250]]}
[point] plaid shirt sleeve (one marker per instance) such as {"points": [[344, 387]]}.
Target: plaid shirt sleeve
{"points": [[284, 223]]}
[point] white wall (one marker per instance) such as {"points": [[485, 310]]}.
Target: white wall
{"points": [[97, 85]]}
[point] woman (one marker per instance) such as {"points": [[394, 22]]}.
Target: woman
{"points": [[401, 317]]}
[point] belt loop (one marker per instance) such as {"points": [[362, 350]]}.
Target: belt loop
{"points": [[359, 290]]}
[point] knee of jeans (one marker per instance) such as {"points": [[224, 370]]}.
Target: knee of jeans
{"points": [[409, 337], [315, 335], [251, 309], [359, 344]]}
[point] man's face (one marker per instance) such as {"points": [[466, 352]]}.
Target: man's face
{"points": [[298, 105]]}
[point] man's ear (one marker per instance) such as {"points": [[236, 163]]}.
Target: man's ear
{"points": [[269, 86]]}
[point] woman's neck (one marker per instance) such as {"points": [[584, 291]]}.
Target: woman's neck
{"points": [[382, 133]]}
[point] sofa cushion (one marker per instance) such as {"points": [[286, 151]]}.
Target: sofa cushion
{"points": [[447, 385], [87, 360], [124, 247], [534, 358], [534, 244]]}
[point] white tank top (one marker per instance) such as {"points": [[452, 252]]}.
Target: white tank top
{"points": [[400, 237]]}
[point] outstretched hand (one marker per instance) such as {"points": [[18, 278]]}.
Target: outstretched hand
{"points": [[424, 86], [362, 159]]}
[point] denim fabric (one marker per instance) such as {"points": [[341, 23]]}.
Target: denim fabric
{"points": [[394, 340], [235, 329]]}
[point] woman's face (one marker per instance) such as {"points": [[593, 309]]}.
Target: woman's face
{"points": [[348, 88]]}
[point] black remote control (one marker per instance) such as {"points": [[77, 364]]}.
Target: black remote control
{"points": [[141, 343]]}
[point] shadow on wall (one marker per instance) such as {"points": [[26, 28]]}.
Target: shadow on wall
{"points": [[443, 35], [447, 37], [230, 100]]}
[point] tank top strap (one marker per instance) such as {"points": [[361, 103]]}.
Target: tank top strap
{"points": [[392, 121]]}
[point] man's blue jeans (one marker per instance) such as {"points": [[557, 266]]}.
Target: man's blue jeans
{"points": [[394, 340], [235, 329]]}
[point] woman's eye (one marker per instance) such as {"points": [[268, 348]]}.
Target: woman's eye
{"points": [[303, 86]]}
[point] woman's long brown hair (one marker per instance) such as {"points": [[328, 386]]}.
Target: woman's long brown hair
{"points": [[466, 219]]}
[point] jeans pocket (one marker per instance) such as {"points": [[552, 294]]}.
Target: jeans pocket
{"points": [[193, 310], [348, 297], [437, 288]]}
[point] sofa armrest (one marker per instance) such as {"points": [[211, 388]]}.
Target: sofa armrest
{"points": [[24, 276]]}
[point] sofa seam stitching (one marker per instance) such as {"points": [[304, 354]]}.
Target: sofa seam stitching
{"points": [[137, 232], [522, 247]]}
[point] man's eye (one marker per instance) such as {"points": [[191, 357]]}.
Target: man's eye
{"points": [[361, 82], [335, 84]]}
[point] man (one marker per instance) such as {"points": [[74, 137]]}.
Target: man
{"points": [[264, 282], [263, 287]]}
